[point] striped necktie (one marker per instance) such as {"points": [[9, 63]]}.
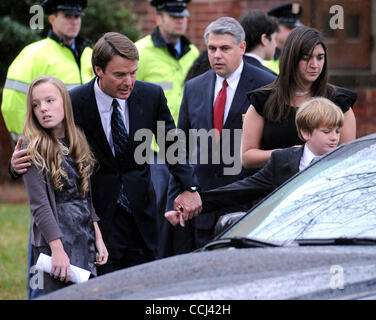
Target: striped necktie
{"points": [[120, 139]]}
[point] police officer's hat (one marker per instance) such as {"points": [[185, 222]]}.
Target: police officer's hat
{"points": [[67, 6], [288, 13], [176, 8]]}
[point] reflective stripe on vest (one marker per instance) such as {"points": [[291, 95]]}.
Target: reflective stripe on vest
{"points": [[24, 87], [16, 85], [165, 85]]}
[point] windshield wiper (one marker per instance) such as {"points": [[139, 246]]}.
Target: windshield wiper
{"points": [[336, 242], [237, 242]]}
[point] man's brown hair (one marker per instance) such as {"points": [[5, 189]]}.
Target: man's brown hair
{"points": [[111, 44]]}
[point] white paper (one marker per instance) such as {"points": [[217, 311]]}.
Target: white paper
{"points": [[78, 275]]}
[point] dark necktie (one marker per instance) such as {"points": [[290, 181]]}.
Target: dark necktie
{"points": [[120, 139], [219, 109]]}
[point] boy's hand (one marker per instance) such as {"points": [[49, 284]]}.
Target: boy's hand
{"points": [[174, 217]]}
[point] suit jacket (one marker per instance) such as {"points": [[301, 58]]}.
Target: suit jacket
{"points": [[257, 64], [283, 164], [196, 112], [147, 105]]}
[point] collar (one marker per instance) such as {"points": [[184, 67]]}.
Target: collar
{"points": [[106, 100], [307, 157], [233, 79], [159, 41], [177, 46], [250, 54], [79, 42]]}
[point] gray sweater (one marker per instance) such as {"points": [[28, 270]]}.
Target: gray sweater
{"points": [[44, 217]]}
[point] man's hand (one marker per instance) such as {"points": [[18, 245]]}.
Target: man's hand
{"points": [[20, 159], [188, 204]]}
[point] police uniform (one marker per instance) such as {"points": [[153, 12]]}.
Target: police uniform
{"points": [[287, 14], [161, 64], [49, 56]]}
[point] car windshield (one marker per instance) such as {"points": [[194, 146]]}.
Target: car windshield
{"points": [[334, 198]]}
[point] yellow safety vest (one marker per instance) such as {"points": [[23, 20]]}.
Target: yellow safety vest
{"points": [[158, 66], [44, 57], [272, 65]]}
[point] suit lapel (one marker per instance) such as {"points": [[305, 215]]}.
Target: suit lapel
{"points": [[294, 159], [240, 101], [93, 121], [136, 110], [209, 104]]}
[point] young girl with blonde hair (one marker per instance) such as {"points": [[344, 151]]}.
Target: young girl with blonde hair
{"points": [[64, 224]]}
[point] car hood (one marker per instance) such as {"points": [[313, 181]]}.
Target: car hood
{"points": [[310, 272]]}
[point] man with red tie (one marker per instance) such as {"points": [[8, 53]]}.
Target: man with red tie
{"points": [[214, 102]]}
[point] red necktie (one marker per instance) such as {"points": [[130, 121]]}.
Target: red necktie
{"points": [[219, 109]]}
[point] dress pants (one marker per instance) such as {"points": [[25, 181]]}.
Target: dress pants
{"points": [[160, 176], [125, 245]]}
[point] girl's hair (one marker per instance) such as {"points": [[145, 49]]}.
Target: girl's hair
{"points": [[316, 113], [300, 43], [47, 151]]}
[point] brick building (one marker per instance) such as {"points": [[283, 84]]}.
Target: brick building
{"points": [[351, 53]]}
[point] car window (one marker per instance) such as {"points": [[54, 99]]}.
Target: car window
{"points": [[336, 197]]}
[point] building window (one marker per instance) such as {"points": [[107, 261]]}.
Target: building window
{"points": [[328, 32], [352, 26]]}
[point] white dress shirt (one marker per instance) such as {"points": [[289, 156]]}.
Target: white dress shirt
{"points": [[306, 158], [104, 102], [232, 81], [249, 54]]}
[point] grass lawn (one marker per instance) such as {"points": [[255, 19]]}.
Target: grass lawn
{"points": [[14, 235]]}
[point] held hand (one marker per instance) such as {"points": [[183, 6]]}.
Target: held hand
{"points": [[60, 261], [188, 204], [174, 218], [20, 159], [102, 253]]}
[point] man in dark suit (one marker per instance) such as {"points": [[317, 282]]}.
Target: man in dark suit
{"points": [[111, 110], [203, 108], [260, 36]]}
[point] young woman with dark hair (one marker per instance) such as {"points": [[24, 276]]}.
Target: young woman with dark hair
{"points": [[269, 123]]}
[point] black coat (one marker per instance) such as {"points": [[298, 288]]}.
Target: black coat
{"points": [[147, 105], [283, 164], [254, 62]]}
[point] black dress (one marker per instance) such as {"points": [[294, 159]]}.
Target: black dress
{"points": [[76, 224], [284, 134]]}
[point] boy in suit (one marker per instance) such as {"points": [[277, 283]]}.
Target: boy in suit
{"points": [[318, 122]]}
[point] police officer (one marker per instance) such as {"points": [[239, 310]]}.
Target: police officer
{"points": [[166, 54], [63, 54], [165, 58], [288, 18]]}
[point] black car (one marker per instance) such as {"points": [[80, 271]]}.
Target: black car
{"points": [[312, 238]]}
